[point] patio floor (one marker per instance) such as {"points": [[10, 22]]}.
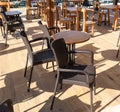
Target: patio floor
{"points": [[71, 98]]}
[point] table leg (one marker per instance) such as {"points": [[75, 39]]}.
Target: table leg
{"points": [[71, 47], [115, 21], [108, 17]]}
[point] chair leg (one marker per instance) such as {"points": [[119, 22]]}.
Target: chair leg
{"points": [[30, 79], [118, 40], [26, 66], [43, 45], [99, 19], [94, 87], [6, 36], [53, 65], [47, 65], [118, 52], [56, 86], [91, 99], [2, 30], [70, 25], [105, 19], [92, 30]]}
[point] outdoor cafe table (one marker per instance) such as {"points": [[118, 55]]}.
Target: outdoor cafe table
{"points": [[71, 38], [12, 13], [116, 9]]}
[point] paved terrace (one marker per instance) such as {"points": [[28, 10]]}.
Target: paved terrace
{"points": [[71, 98]]}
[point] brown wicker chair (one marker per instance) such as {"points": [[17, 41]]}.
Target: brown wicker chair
{"points": [[83, 75], [36, 57]]}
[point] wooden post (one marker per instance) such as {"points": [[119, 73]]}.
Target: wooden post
{"points": [[28, 3], [50, 13], [8, 5], [115, 2]]}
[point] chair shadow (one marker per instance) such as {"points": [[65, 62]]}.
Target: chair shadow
{"points": [[16, 84], [110, 73], [35, 31], [109, 76], [3, 46], [99, 29], [20, 48], [110, 54], [62, 106]]}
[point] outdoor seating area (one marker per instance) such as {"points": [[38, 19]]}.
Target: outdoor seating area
{"points": [[73, 66]]}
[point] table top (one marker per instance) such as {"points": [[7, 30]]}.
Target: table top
{"points": [[74, 9], [12, 13], [110, 6], [72, 37]]}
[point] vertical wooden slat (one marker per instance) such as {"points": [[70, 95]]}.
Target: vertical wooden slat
{"points": [[115, 2], [27, 8], [8, 5], [50, 14]]}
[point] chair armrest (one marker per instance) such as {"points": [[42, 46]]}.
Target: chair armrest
{"points": [[86, 52], [48, 39], [53, 28], [71, 70], [39, 38]]}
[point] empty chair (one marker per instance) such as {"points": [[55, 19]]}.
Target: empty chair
{"points": [[36, 57], [60, 19], [78, 74], [86, 22], [6, 106], [96, 6], [64, 11], [10, 23], [86, 3], [101, 13]]}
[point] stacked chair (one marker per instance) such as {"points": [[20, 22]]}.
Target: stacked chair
{"points": [[10, 24], [61, 20]]}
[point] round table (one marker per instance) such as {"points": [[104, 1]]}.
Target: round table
{"points": [[71, 38]]}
